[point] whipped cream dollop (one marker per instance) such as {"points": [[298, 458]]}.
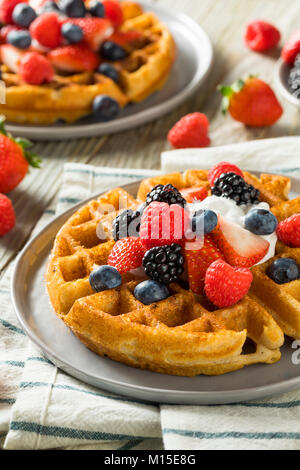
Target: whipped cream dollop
{"points": [[235, 214]]}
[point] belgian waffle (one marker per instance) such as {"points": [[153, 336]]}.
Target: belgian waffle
{"points": [[70, 97], [184, 334]]}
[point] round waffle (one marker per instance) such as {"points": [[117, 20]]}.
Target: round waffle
{"points": [[184, 334], [70, 97]]}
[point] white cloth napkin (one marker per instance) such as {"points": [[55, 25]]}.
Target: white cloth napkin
{"points": [[42, 407]]}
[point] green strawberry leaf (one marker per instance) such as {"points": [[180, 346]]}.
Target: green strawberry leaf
{"points": [[31, 157]]}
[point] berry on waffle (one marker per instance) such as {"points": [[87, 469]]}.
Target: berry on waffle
{"points": [[176, 327]]}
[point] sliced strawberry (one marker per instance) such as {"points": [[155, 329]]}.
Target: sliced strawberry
{"points": [[124, 38], [240, 247], [199, 256], [194, 194], [127, 254], [95, 30], [74, 58], [113, 12], [11, 57]]}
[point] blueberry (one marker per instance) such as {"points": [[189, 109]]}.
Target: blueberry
{"points": [[204, 220], [150, 291], [72, 33], [105, 277], [20, 39], [105, 108], [48, 7], [23, 15], [97, 9], [73, 8], [261, 222], [109, 71], [284, 270], [112, 51]]}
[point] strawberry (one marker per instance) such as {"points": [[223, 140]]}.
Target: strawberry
{"points": [[162, 224], [35, 69], [240, 247], [6, 10], [11, 57], [252, 102], [95, 30], [125, 38], [223, 167], [194, 194], [14, 159], [226, 285], [261, 36], [199, 255], [46, 30], [7, 215], [127, 254], [113, 12], [288, 231], [190, 131], [291, 48], [74, 58]]}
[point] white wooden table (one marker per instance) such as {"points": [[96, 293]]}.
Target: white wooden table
{"points": [[224, 21]]}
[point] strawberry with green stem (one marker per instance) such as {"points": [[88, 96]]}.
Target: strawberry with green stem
{"points": [[251, 101], [15, 159]]}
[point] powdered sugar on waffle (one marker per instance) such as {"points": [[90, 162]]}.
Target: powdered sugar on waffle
{"points": [[235, 214]]}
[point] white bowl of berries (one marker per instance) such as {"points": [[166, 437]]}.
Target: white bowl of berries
{"points": [[287, 71]]}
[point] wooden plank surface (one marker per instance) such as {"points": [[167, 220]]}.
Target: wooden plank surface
{"points": [[224, 21]]}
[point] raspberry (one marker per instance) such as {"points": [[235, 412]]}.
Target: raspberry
{"points": [[46, 29], [7, 215], [6, 10], [261, 36], [127, 254], [162, 224], [291, 48], [35, 69], [113, 12], [222, 167], [225, 285], [288, 231], [190, 131]]}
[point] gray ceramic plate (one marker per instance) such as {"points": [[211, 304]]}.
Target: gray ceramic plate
{"points": [[58, 343], [193, 62]]}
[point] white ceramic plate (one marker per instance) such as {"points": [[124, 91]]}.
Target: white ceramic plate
{"points": [[193, 62], [54, 338]]}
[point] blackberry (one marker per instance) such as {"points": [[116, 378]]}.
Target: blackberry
{"points": [[165, 263], [165, 193], [294, 79], [234, 187], [121, 225]]}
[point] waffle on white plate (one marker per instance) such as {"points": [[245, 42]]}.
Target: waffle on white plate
{"points": [[185, 333], [148, 55]]}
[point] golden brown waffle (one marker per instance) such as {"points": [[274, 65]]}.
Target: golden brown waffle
{"points": [[281, 300], [70, 97], [182, 335]]}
